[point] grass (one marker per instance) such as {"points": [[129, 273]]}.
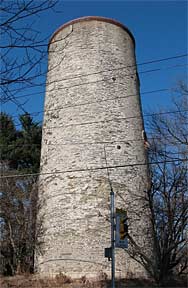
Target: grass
{"points": [[63, 281]]}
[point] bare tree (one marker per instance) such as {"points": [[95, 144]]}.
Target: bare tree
{"points": [[23, 50], [20, 154], [168, 197], [18, 209], [171, 129]]}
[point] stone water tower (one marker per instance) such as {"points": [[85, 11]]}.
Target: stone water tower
{"points": [[92, 105]]}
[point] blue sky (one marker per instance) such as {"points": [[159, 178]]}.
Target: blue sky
{"points": [[160, 31]]}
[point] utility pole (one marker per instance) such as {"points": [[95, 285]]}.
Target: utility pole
{"points": [[112, 236], [112, 218]]}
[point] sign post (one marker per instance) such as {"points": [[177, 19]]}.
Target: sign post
{"points": [[110, 253], [112, 237], [118, 227]]}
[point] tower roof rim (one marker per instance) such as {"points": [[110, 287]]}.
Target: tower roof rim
{"points": [[90, 18]]}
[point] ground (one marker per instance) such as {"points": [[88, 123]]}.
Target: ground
{"points": [[62, 281]]}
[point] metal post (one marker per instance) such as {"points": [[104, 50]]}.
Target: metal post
{"points": [[112, 224], [112, 238]]}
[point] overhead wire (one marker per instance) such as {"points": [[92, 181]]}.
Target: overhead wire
{"points": [[93, 102], [95, 143], [116, 119], [167, 154], [79, 143], [105, 80], [115, 69], [123, 118], [94, 169], [35, 113], [110, 120], [124, 67]]}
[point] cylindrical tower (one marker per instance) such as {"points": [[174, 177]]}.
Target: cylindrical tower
{"points": [[92, 106]]}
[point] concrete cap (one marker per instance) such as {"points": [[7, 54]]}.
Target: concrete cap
{"points": [[91, 18]]}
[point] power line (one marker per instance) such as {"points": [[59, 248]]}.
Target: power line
{"points": [[88, 143], [93, 102], [162, 59], [103, 80], [124, 67], [94, 169], [80, 143], [116, 119]]}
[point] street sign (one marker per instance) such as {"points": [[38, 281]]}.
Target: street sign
{"points": [[121, 229]]}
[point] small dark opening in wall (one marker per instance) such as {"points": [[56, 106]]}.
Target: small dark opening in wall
{"points": [[118, 147]]}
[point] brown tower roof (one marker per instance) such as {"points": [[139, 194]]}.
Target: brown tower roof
{"points": [[90, 18]]}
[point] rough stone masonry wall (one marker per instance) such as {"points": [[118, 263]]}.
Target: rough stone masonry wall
{"points": [[91, 104]]}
